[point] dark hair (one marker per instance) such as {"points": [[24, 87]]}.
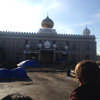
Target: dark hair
{"points": [[87, 71], [16, 96]]}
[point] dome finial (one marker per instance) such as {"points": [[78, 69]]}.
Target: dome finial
{"points": [[86, 25], [47, 14]]}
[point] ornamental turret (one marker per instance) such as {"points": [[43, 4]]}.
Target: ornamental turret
{"points": [[86, 31]]}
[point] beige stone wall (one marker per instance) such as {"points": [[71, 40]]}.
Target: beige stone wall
{"points": [[79, 46]]}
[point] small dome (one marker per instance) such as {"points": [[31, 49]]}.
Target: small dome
{"points": [[47, 23], [27, 46], [66, 47], [40, 45], [47, 44], [86, 31], [54, 45]]}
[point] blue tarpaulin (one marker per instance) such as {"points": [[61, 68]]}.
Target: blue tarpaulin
{"points": [[5, 74], [29, 63], [18, 73]]}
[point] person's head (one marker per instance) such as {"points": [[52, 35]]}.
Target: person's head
{"points": [[86, 72], [16, 96]]}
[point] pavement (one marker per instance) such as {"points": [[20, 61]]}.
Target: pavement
{"points": [[43, 86]]}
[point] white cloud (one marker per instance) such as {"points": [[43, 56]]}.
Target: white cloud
{"points": [[62, 28], [19, 16], [93, 20]]}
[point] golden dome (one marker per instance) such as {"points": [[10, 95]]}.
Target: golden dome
{"points": [[47, 23]]}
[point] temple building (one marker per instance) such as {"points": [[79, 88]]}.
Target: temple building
{"points": [[47, 46]]}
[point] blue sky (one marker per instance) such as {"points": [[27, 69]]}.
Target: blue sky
{"points": [[69, 16]]}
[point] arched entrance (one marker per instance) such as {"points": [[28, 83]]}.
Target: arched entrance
{"points": [[47, 56]]}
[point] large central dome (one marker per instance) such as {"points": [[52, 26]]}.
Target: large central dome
{"points": [[47, 23]]}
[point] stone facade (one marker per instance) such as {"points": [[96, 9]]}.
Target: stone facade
{"points": [[46, 46]]}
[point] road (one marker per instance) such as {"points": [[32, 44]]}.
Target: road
{"points": [[44, 86]]}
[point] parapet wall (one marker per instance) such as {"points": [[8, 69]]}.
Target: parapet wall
{"points": [[32, 35]]}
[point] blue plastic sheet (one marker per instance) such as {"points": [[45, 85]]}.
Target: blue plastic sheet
{"points": [[29, 63], [17, 73], [5, 74]]}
